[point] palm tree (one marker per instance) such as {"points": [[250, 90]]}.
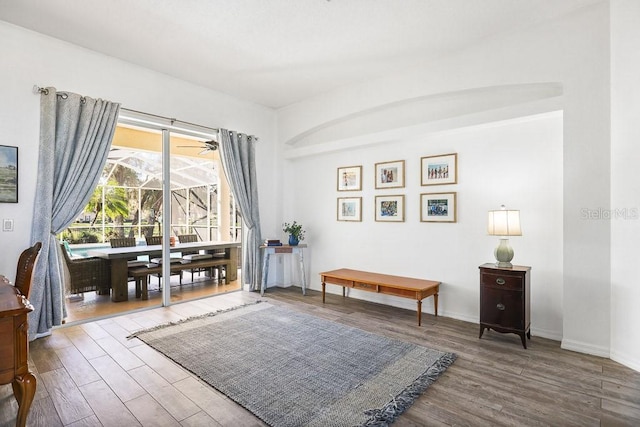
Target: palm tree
{"points": [[115, 202]]}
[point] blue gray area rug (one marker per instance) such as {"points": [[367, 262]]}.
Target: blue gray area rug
{"points": [[292, 369]]}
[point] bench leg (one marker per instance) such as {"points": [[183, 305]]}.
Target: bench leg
{"points": [[141, 287], [419, 312], [145, 287]]}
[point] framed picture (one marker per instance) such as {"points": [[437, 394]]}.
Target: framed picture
{"points": [[390, 174], [8, 174], [390, 208], [349, 208], [438, 207], [350, 178], [437, 170]]}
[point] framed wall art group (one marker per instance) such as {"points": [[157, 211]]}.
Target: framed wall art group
{"points": [[434, 207]]}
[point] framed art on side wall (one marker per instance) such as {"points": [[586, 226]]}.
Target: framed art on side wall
{"points": [[8, 174], [437, 170], [390, 208], [438, 207], [390, 174], [350, 178], [350, 209]]}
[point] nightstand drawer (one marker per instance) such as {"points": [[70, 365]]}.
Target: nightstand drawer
{"points": [[502, 280], [502, 308]]}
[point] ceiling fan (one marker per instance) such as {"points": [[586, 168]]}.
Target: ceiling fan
{"points": [[205, 145]]}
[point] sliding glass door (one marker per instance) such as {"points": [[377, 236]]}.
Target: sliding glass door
{"points": [[160, 182]]}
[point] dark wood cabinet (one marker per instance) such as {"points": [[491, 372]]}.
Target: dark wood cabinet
{"points": [[504, 300], [14, 347]]}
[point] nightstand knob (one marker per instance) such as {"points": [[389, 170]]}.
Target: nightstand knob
{"points": [[500, 281], [500, 306]]}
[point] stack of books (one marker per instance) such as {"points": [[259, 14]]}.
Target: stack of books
{"points": [[270, 242]]}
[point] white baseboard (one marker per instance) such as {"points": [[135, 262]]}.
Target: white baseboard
{"points": [[545, 333], [581, 347], [458, 316], [626, 360]]}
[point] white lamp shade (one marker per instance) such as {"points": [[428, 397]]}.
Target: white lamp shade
{"points": [[504, 223]]}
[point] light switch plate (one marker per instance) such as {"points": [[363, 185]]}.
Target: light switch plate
{"points": [[7, 225]]}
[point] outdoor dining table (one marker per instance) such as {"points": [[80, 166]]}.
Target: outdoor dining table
{"points": [[118, 259]]}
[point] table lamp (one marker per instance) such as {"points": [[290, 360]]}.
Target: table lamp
{"points": [[504, 223]]}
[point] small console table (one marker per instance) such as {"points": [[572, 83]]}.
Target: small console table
{"points": [[284, 249], [399, 286]]}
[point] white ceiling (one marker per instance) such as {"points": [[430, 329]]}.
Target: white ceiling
{"points": [[278, 52]]}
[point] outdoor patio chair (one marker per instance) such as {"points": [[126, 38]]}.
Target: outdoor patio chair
{"points": [[153, 240], [127, 242], [122, 242], [87, 274]]}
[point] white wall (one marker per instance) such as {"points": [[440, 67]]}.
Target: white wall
{"points": [[563, 64], [32, 59], [572, 52], [496, 164], [625, 194]]}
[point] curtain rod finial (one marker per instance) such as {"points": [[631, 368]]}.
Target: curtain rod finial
{"points": [[37, 90]]}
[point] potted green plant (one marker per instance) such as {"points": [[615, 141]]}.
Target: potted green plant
{"points": [[296, 233]]}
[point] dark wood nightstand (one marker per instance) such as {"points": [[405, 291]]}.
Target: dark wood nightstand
{"points": [[504, 300]]}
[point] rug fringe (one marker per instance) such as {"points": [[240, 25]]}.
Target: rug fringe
{"points": [[383, 417], [189, 319]]}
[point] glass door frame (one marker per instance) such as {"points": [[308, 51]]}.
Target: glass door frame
{"points": [[166, 127]]}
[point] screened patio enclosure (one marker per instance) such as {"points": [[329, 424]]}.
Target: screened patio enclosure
{"points": [[128, 199]]}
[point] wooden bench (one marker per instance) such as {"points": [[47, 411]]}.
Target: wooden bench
{"points": [[399, 286], [141, 274]]}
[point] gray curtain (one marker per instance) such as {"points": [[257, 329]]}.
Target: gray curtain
{"points": [[239, 161], [75, 137]]}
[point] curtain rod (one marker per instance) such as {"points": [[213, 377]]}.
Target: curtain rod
{"points": [[38, 90], [171, 119]]}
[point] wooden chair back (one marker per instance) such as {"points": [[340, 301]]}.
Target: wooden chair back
{"points": [[122, 242], [188, 238], [153, 240], [25, 268]]}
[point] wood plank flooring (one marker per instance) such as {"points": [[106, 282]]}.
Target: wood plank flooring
{"points": [[91, 375]]}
